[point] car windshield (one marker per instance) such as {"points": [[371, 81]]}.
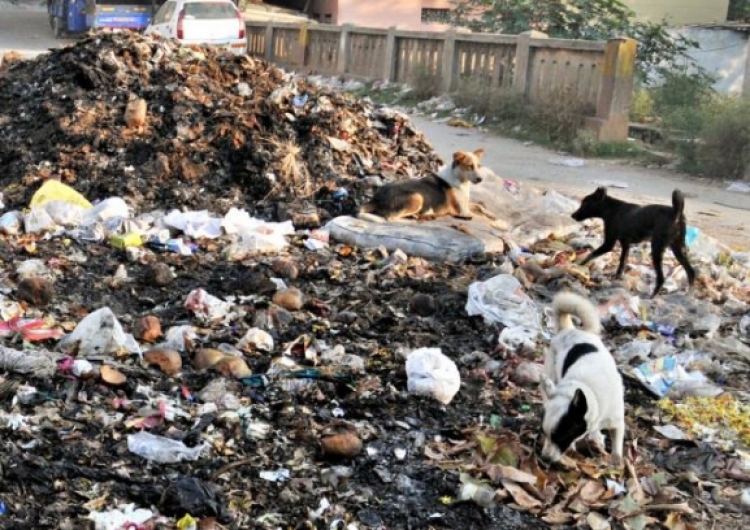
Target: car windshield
{"points": [[209, 10]]}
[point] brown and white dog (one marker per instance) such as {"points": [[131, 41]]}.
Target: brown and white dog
{"points": [[444, 193]]}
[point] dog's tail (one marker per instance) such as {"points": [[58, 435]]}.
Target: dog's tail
{"points": [[566, 305], [678, 203]]}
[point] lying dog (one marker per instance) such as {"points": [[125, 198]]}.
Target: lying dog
{"points": [[629, 224], [444, 193], [582, 388]]}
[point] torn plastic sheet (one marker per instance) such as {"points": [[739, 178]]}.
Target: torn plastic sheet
{"points": [[669, 376]]}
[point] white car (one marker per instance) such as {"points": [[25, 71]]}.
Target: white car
{"points": [[206, 22]]}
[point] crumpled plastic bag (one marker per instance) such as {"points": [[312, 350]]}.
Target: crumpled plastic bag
{"points": [[502, 299], [670, 376], [10, 223], [100, 333], [38, 220], [431, 373], [162, 450], [53, 191], [517, 338], [118, 518], [198, 224], [255, 235], [207, 306]]}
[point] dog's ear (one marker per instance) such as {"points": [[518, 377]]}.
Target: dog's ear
{"points": [[479, 153], [578, 403], [459, 157], [548, 387], [600, 192]]}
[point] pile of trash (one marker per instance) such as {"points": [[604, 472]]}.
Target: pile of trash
{"points": [[166, 126], [172, 358]]}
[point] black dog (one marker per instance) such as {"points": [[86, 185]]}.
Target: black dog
{"points": [[629, 224]]}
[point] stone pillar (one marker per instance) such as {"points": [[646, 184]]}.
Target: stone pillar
{"points": [[389, 66], [269, 41], [746, 77], [612, 118], [448, 62], [344, 50], [523, 60]]}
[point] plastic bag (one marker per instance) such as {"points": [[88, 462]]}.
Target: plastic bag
{"points": [[194, 224], [53, 190], [207, 306], [65, 213], [516, 338], [501, 299], [108, 209], [99, 334], [430, 373], [10, 223], [179, 338], [37, 220], [669, 376], [117, 519], [162, 450]]}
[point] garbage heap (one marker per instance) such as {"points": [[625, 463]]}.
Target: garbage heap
{"points": [[219, 131]]}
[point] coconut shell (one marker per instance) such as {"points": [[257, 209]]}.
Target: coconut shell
{"points": [[135, 113], [206, 358], [112, 376], [290, 299], [147, 329], [231, 366], [341, 441], [168, 361]]}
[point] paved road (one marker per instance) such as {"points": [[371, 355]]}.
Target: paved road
{"points": [[722, 214], [25, 28], [725, 215]]}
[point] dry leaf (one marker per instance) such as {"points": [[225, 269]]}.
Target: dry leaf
{"points": [[522, 498], [597, 521], [592, 491], [111, 376], [498, 473]]}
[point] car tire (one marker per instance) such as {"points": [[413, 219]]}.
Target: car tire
{"points": [[58, 27]]}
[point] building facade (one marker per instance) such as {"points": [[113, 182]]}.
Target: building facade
{"points": [[680, 12], [421, 15]]}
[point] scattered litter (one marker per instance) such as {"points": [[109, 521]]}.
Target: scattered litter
{"points": [[502, 299], [741, 187], [671, 376], [568, 162], [120, 518]]}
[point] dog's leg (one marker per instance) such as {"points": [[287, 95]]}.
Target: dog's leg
{"points": [[607, 246], [679, 252], [617, 436], [623, 259], [657, 253]]}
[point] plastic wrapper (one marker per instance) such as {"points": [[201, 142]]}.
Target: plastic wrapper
{"points": [[502, 299], [163, 450]]}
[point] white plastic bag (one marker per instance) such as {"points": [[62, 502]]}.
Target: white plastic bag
{"points": [[207, 306], [107, 209], [117, 519], [65, 213], [100, 334], [501, 299], [37, 220], [516, 338], [258, 338], [178, 338], [194, 224], [162, 450], [430, 373], [10, 223]]}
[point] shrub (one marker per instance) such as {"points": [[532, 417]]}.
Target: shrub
{"points": [[424, 84], [560, 116], [481, 97], [724, 150]]}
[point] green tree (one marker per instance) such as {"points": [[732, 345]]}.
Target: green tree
{"points": [[577, 19], [739, 10]]}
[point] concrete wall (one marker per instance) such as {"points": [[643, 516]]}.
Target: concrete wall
{"points": [[680, 12], [404, 14], [723, 52]]}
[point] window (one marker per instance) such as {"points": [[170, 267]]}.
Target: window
{"points": [[435, 15], [210, 10]]}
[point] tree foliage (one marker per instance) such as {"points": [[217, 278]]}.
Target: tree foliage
{"points": [[577, 19], [739, 11]]}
